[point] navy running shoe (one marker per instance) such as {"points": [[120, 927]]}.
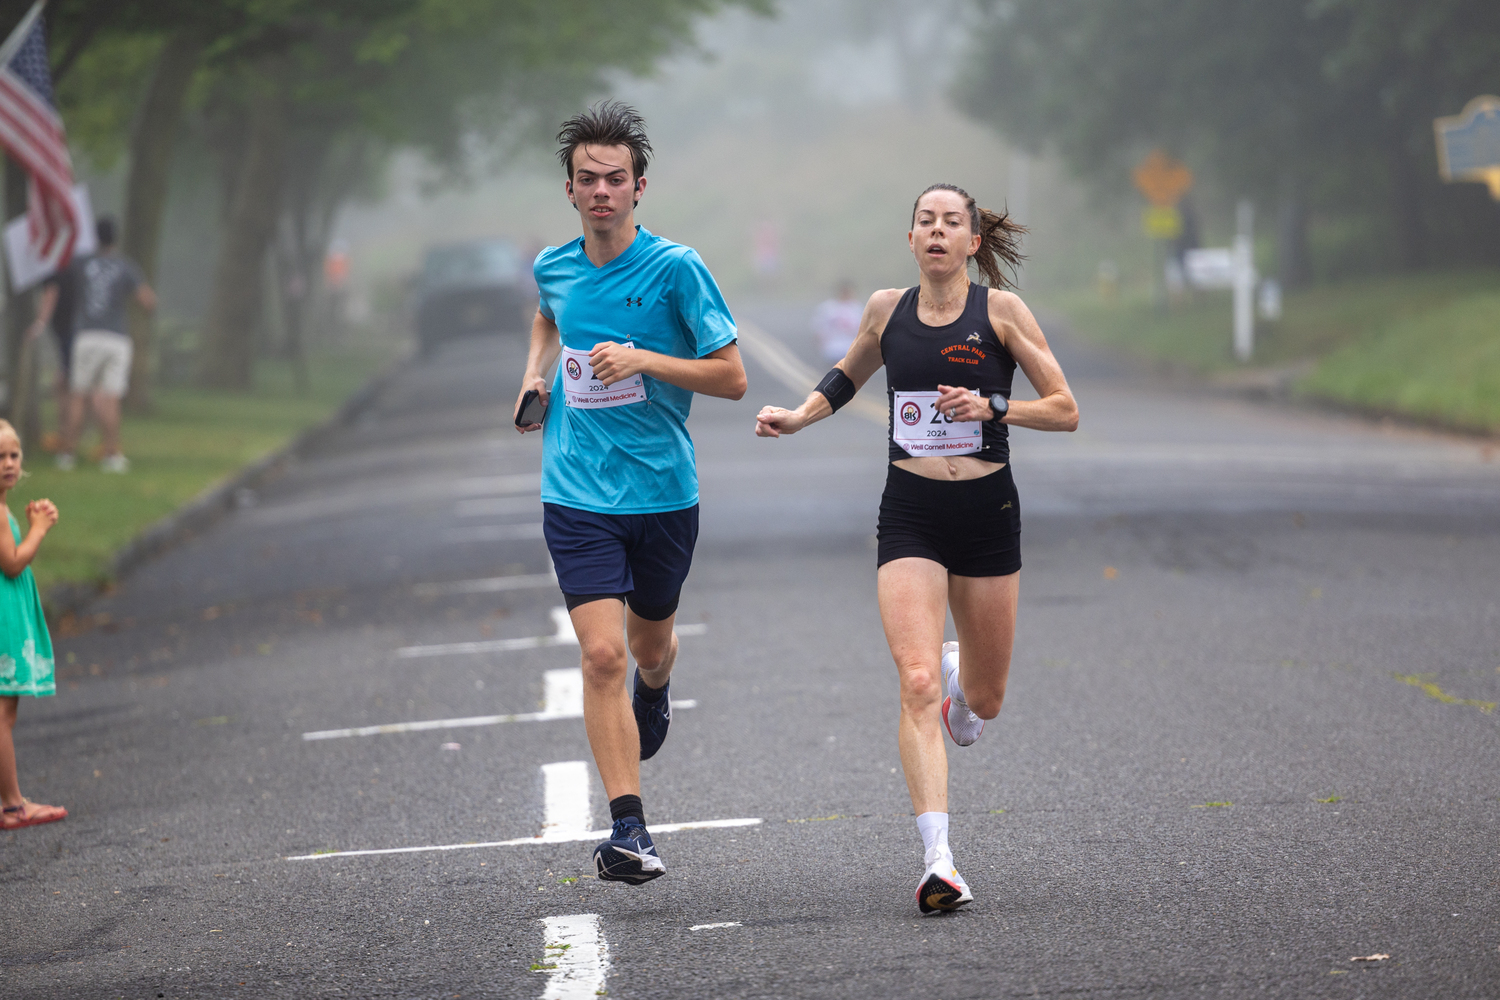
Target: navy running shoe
{"points": [[651, 717], [628, 855]]}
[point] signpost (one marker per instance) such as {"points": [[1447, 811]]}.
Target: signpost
{"points": [[1163, 181], [1468, 144]]}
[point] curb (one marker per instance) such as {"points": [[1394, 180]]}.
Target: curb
{"points": [[217, 500]]}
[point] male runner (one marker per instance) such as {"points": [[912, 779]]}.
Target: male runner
{"points": [[641, 326], [100, 366]]}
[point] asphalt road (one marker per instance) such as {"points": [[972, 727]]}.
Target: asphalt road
{"points": [[1250, 732]]}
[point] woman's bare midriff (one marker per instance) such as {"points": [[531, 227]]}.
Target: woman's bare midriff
{"points": [[954, 470]]}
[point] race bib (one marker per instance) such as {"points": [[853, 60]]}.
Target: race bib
{"points": [[581, 389], [920, 430]]}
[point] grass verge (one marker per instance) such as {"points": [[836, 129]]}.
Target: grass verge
{"points": [[1425, 346], [195, 438]]}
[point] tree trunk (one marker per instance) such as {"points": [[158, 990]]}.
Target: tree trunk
{"points": [[152, 142], [229, 327], [21, 404], [1411, 232], [1293, 257]]}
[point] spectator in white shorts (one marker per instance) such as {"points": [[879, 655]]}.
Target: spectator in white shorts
{"points": [[101, 349]]}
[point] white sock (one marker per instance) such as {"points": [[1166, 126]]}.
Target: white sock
{"points": [[955, 690], [934, 827]]}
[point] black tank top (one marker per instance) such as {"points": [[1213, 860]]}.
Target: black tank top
{"points": [[965, 353]]}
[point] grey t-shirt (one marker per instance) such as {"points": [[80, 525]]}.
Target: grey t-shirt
{"points": [[105, 284]]}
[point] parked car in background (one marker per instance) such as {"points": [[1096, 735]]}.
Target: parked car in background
{"points": [[472, 288]]}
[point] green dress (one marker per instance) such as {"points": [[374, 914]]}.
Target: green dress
{"points": [[25, 645]]}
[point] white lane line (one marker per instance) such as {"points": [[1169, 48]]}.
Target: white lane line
{"points": [[493, 533], [487, 585], [389, 728], [563, 623], [497, 506], [564, 636], [519, 482], [565, 799], [575, 957], [707, 824], [564, 693], [791, 372], [709, 927]]}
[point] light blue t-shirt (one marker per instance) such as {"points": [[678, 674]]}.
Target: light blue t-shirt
{"points": [[659, 296]]}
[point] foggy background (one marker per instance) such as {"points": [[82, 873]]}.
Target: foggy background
{"points": [[806, 136]]}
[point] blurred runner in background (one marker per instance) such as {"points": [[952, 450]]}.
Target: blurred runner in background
{"points": [[837, 321], [100, 363]]}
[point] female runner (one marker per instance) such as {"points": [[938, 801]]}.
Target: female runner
{"points": [[950, 527]]}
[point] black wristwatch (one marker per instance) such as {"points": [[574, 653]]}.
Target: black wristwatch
{"points": [[999, 405]]}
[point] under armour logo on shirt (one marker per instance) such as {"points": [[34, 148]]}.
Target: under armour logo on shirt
{"points": [[632, 301]]}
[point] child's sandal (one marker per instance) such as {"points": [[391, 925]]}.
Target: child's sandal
{"points": [[29, 813]]}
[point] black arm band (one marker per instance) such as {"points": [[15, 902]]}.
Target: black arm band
{"points": [[837, 388]]}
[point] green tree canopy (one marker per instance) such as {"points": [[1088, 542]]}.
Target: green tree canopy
{"points": [[1325, 105]]}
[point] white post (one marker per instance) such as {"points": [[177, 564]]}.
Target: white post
{"points": [[1018, 199], [1244, 281]]}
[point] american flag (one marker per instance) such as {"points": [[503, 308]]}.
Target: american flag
{"points": [[32, 132]]}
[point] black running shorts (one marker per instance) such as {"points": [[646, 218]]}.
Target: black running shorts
{"points": [[971, 527]]}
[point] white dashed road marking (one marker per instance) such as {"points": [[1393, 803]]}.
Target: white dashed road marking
{"points": [[709, 927], [656, 829], [564, 636], [496, 506], [565, 803], [575, 957], [565, 814], [487, 585], [564, 691], [493, 533]]}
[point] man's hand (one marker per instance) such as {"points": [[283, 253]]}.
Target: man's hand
{"points": [[528, 383], [962, 404], [615, 362]]}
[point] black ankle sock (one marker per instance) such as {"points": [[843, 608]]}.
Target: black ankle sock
{"points": [[626, 805], [646, 691]]}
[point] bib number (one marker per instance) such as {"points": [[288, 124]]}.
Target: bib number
{"points": [[582, 390], [920, 430]]}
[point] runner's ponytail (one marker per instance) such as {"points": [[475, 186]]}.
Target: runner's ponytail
{"points": [[999, 237]]}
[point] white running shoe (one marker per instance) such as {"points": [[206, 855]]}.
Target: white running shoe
{"points": [[64, 462], [116, 463], [963, 725], [942, 887]]}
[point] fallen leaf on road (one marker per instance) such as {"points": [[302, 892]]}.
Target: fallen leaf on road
{"points": [[1369, 958], [1110, 572]]}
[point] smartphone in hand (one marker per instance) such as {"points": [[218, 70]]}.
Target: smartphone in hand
{"points": [[532, 410]]}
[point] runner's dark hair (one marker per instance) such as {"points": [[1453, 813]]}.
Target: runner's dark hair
{"points": [[999, 237], [608, 123]]}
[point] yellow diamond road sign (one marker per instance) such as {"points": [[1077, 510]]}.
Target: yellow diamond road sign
{"points": [[1162, 222]]}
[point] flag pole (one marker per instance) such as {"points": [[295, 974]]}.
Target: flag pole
{"points": [[20, 398]]}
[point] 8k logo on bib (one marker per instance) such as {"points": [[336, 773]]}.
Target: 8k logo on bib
{"points": [[575, 371], [910, 414]]}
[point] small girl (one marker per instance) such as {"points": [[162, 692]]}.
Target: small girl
{"points": [[25, 645]]}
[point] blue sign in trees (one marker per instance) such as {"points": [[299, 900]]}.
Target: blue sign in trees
{"points": [[1468, 144]]}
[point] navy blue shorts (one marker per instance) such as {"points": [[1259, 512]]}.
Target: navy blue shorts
{"points": [[641, 559]]}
